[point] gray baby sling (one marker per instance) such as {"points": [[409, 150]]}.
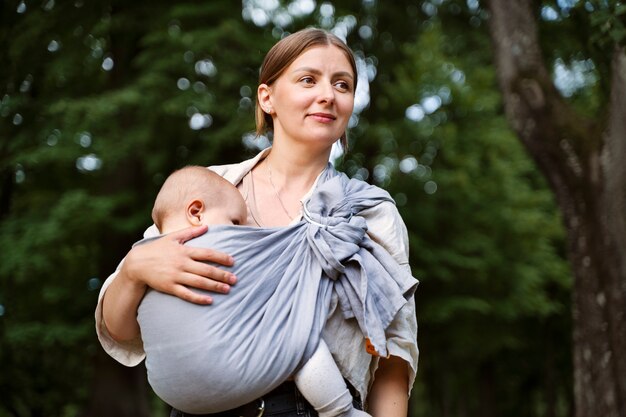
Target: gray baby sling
{"points": [[206, 359]]}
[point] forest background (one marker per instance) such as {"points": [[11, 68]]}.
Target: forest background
{"points": [[101, 100]]}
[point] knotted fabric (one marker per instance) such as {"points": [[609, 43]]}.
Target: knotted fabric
{"points": [[206, 359]]}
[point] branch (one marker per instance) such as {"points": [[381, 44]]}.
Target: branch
{"points": [[556, 137]]}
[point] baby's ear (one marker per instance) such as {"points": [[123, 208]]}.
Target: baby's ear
{"points": [[195, 208]]}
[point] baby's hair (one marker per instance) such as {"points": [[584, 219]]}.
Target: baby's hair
{"points": [[189, 182]]}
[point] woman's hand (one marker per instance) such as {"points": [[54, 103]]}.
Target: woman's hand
{"points": [[168, 266]]}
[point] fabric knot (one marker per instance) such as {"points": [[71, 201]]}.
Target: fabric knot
{"points": [[324, 222], [334, 232]]}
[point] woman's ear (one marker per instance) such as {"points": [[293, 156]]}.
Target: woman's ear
{"points": [[194, 211], [264, 97]]}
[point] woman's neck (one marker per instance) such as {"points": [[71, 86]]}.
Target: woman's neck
{"points": [[294, 168], [281, 180]]}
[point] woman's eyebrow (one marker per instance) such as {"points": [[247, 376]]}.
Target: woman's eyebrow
{"points": [[318, 72]]}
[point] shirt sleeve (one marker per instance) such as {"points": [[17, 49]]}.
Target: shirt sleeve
{"points": [[386, 227], [345, 339], [129, 353]]}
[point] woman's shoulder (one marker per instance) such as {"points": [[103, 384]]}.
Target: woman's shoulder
{"points": [[386, 227], [384, 223], [233, 173]]}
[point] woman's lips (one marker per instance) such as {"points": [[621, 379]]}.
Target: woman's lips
{"points": [[323, 117]]}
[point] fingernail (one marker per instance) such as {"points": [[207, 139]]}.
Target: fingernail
{"points": [[232, 279], [231, 259], [225, 288], [209, 300]]}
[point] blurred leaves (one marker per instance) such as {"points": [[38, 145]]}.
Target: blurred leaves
{"points": [[609, 22]]}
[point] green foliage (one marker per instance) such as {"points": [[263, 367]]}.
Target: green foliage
{"points": [[609, 23]]}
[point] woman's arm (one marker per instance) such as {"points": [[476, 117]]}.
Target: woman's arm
{"points": [[388, 396], [168, 266]]}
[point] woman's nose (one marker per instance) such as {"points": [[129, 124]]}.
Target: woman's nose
{"points": [[327, 93]]}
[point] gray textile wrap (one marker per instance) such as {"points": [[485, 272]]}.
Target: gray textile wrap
{"points": [[206, 359]]}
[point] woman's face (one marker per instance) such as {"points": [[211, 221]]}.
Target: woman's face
{"points": [[311, 102]]}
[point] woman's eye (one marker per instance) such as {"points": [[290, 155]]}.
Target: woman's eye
{"points": [[307, 80], [342, 85]]}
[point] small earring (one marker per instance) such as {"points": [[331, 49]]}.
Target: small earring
{"points": [[267, 110]]}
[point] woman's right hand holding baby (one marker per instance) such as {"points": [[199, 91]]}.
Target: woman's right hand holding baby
{"points": [[168, 266]]}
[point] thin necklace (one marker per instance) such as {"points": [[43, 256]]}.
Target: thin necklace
{"points": [[269, 170]]}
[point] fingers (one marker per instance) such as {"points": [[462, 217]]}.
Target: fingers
{"points": [[202, 283], [171, 267], [186, 294], [216, 276], [210, 255], [201, 254], [184, 285], [189, 233]]}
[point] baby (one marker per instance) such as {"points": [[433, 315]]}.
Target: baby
{"points": [[195, 196]]}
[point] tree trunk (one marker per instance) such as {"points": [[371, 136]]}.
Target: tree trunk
{"points": [[583, 162]]}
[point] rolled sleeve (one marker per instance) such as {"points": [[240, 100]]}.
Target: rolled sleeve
{"points": [[344, 339], [128, 353], [386, 227], [402, 339]]}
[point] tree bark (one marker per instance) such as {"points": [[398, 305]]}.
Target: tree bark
{"points": [[583, 161]]}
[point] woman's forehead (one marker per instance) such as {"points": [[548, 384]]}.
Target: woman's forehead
{"points": [[322, 56]]}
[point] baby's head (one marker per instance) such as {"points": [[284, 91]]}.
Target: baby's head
{"points": [[195, 196]]}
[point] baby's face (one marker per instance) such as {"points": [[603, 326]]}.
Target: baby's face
{"points": [[232, 210]]}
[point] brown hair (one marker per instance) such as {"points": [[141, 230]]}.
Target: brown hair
{"points": [[283, 53]]}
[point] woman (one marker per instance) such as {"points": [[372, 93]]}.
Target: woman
{"points": [[305, 97]]}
